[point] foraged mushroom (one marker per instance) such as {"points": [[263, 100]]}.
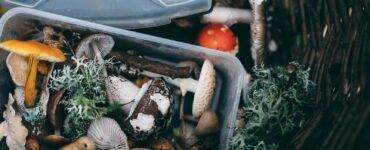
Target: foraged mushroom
{"points": [[152, 112], [203, 89], [56, 140], [34, 51], [82, 143], [186, 134], [218, 37], [104, 43], [208, 123], [107, 134], [17, 66], [161, 144], [97, 46], [122, 91], [12, 128], [32, 143], [52, 110]]}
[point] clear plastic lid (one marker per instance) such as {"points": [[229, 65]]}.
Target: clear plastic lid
{"points": [[129, 14]]}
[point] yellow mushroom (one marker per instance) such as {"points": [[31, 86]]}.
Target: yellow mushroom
{"points": [[35, 51]]}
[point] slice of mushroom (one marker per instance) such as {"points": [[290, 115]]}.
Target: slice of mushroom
{"points": [[12, 128], [203, 88], [153, 111], [82, 143], [107, 134], [35, 51]]}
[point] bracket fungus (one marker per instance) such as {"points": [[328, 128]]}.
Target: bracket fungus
{"points": [[107, 134], [12, 127], [35, 51]]}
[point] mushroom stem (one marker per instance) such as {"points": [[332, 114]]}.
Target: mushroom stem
{"points": [[102, 64], [30, 91], [228, 16], [185, 84], [258, 32]]}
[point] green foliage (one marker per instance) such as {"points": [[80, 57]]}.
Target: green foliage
{"points": [[277, 104], [86, 98]]}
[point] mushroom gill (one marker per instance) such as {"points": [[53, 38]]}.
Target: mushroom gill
{"points": [[107, 134]]}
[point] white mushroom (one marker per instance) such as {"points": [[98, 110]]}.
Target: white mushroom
{"points": [[104, 42], [107, 134], [12, 127], [119, 90], [17, 66], [122, 91], [203, 89]]}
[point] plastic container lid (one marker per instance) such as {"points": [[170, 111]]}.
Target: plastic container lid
{"points": [[128, 14]]}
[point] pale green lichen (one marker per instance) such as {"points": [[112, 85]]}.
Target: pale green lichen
{"points": [[35, 117], [276, 105], [86, 98]]}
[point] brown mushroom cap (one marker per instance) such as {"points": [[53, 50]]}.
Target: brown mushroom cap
{"points": [[208, 123], [205, 89], [35, 49]]}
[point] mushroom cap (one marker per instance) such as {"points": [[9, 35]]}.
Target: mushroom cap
{"points": [[17, 66], [82, 143], [217, 36], [104, 42], [205, 89], [208, 123], [35, 49], [107, 134], [122, 91]]}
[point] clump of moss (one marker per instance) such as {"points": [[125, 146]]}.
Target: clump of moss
{"points": [[277, 103]]}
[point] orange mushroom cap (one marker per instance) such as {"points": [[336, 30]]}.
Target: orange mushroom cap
{"points": [[217, 36], [35, 49]]}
